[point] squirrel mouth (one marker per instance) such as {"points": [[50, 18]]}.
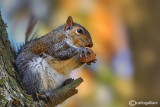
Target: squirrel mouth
{"points": [[88, 45]]}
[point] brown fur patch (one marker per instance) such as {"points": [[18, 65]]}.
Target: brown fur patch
{"points": [[64, 67], [39, 48]]}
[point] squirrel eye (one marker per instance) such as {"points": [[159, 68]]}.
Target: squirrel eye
{"points": [[80, 31]]}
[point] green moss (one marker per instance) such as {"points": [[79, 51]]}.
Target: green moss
{"points": [[1, 82]]}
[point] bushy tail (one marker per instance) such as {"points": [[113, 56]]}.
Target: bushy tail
{"points": [[33, 31], [31, 25]]}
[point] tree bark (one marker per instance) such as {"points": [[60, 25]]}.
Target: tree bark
{"points": [[11, 90]]}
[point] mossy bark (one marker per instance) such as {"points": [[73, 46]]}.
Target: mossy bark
{"points": [[11, 90]]}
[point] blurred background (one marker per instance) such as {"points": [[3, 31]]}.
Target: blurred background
{"points": [[126, 39]]}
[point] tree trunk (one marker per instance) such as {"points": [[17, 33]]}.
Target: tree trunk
{"points": [[143, 23], [11, 90]]}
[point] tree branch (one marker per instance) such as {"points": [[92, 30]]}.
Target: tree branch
{"points": [[65, 92]]}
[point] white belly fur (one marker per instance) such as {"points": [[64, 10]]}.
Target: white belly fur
{"points": [[50, 79]]}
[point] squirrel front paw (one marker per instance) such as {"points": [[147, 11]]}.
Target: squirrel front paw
{"points": [[84, 51], [67, 81]]}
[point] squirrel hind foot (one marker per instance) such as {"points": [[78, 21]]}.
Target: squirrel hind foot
{"points": [[46, 97]]}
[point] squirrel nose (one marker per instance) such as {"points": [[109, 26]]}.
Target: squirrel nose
{"points": [[90, 45]]}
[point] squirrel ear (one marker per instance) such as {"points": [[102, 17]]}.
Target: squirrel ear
{"points": [[69, 23]]}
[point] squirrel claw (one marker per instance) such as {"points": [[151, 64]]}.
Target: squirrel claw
{"points": [[85, 55], [94, 61], [46, 97], [80, 55]]}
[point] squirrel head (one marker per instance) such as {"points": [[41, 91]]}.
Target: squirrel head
{"points": [[77, 35]]}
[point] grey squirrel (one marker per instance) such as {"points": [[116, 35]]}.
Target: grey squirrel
{"points": [[44, 64]]}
